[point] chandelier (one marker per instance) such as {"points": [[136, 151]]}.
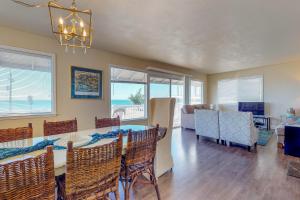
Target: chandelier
{"points": [[72, 27]]}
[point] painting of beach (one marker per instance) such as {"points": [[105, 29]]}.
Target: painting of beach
{"points": [[86, 83]]}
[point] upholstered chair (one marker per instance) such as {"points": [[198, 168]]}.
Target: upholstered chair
{"points": [[207, 124], [238, 127], [162, 113]]}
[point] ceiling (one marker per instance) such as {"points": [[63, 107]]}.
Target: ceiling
{"points": [[211, 36]]}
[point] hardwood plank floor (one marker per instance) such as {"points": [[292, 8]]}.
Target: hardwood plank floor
{"points": [[206, 170]]}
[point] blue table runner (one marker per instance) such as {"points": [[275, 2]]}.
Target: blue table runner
{"points": [[96, 137]]}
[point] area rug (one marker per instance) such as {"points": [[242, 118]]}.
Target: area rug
{"points": [[294, 169], [264, 137]]}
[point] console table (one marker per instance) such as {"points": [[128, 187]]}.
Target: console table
{"points": [[266, 120]]}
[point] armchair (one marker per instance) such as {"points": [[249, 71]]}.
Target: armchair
{"points": [[207, 124], [238, 127]]}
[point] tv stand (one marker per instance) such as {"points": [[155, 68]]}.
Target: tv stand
{"points": [[263, 121]]}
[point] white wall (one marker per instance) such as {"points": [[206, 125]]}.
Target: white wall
{"points": [[281, 87], [67, 108]]}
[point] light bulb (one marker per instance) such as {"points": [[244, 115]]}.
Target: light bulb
{"points": [[65, 31], [84, 33], [61, 21], [81, 24]]}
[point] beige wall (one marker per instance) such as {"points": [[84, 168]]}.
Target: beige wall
{"points": [[281, 86], [67, 108]]}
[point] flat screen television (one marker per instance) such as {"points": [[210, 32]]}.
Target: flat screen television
{"points": [[257, 108]]}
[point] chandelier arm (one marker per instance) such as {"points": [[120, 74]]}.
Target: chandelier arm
{"points": [[29, 5], [67, 17]]}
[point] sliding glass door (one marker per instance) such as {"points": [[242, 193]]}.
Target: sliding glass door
{"points": [[168, 87], [177, 91], [159, 87]]}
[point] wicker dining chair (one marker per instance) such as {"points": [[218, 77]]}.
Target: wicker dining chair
{"points": [[139, 159], [92, 173], [54, 128], [31, 178], [107, 122], [20, 133]]}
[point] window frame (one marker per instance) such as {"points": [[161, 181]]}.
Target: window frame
{"points": [[53, 85], [261, 76], [146, 114], [190, 90], [186, 80]]}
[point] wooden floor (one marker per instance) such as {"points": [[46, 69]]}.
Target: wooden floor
{"points": [[208, 171]]}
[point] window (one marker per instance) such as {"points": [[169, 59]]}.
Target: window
{"points": [[169, 87], [177, 91], [247, 89], [128, 94], [26, 83], [196, 95], [159, 87]]}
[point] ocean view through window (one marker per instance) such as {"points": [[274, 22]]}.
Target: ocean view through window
{"points": [[26, 83], [128, 94]]}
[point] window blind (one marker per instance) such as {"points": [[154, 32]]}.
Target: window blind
{"points": [[247, 89], [125, 75], [26, 82]]}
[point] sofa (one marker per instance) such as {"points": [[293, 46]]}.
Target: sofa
{"points": [[238, 127], [187, 115]]}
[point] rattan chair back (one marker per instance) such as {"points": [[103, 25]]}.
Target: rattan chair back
{"points": [[11, 134], [141, 146], [93, 172], [54, 128], [107, 122], [31, 178]]}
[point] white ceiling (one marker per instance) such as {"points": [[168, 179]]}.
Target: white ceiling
{"points": [[207, 35]]}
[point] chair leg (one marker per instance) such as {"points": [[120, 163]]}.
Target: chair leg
{"points": [[217, 141], [198, 137], [249, 148], [227, 143], [126, 189], [154, 181], [157, 192], [117, 195]]}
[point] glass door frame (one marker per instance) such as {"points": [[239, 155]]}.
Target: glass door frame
{"points": [[170, 88]]}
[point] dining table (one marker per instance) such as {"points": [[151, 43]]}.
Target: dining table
{"points": [[79, 138]]}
